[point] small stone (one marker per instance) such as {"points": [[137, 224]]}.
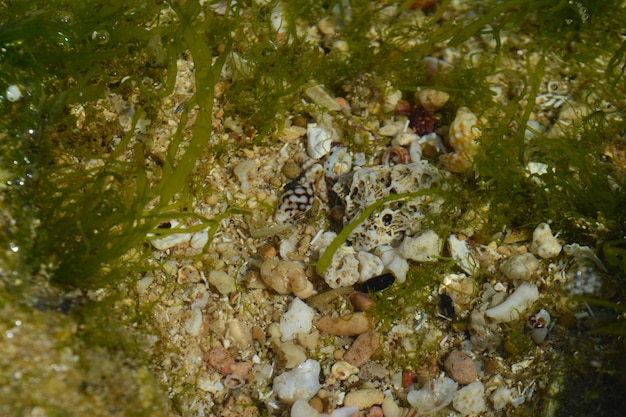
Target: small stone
{"points": [[187, 274], [425, 247], [470, 399], [351, 325], [301, 383], [224, 283], [432, 100], [364, 398], [461, 367], [291, 170], [544, 244], [342, 370], [220, 360], [360, 301], [362, 349], [520, 267]]}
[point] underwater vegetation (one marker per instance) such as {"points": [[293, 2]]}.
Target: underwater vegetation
{"points": [[79, 195]]}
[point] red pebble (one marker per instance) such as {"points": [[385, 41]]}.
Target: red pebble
{"points": [[408, 378]]}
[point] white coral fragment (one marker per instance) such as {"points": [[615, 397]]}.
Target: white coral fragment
{"points": [[515, 305], [318, 140], [520, 267], [424, 247], [435, 395], [544, 243], [393, 262]]}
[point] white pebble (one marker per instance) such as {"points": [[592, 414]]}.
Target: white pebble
{"points": [[245, 172], [343, 412], [302, 408], [520, 267], [370, 265], [224, 283], [462, 255], [13, 93], [394, 263], [301, 383], [470, 399], [433, 396], [544, 244], [425, 247], [516, 304], [297, 320]]}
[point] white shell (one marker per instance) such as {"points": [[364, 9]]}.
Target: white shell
{"points": [[539, 334], [516, 304], [338, 162], [318, 141]]}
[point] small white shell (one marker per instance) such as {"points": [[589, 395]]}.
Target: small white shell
{"points": [[338, 162], [394, 263], [539, 324]]}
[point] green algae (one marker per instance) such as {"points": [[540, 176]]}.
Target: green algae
{"points": [[85, 228]]}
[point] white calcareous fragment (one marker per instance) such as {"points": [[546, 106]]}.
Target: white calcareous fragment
{"points": [[424, 247], [224, 283], [370, 265], [462, 255], [297, 320], [193, 325], [393, 262], [516, 304], [300, 383], [301, 408], [431, 99], [318, 94], [470, 399], [338, 162], [245, 171], [544, 243], [170, 240], [433, 396], [318, 140], [520, 267]]}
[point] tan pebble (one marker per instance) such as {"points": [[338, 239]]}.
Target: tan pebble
{"points": [[259, 335], [267, 252], [317, 404], [261, 195], [342, 370], [299, 121], [213, 199], [461, 367], [432, 100], [351, 325], [362, 349], [375, 411], [291, 170], [241, 369], [239, 333], [364, 398], [360, 301], [220, 360]]}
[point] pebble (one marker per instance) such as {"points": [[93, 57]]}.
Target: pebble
{"points": [[433, 396], [362, 349], [520, 267], [351, 325], [360, 301], [425, 247], [516, 304], [224, 283], [298, 319], [364, 398], [544, 243], [300, 383], [461, 367], [470, 399], [431, 99]]}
